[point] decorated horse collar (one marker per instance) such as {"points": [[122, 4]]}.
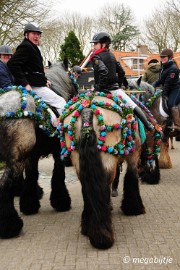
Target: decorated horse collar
{"points": [[41, 115], [88, 100]]}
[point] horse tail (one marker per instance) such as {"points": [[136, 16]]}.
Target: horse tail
{"points": [[94, 181], [92, 172]]}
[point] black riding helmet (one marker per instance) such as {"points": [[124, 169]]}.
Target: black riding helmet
{"points": [[101, 37], [167, 52], [77, 69], [31, 28]]}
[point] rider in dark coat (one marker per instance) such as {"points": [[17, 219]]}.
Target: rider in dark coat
{"points": [[169, 78], [27, 67], [31, 73]]}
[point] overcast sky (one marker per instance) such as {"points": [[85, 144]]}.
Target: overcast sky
{"points": [[140, 8]]}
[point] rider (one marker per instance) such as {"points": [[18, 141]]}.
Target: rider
{"points": [[106, 69], [169, 78], [6, 78], [27, 67], [74, 74]]}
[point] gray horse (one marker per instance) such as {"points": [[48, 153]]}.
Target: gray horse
{"points": [[25, 137]]}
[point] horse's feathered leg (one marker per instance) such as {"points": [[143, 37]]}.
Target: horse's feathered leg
{"points": [[30, 195], [132, 202], [96, 218], [164, 158], [147, 174], [59, 198], [10, 223]]}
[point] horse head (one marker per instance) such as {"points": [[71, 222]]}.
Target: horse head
{"points": [[60, 81], [138, 84]]}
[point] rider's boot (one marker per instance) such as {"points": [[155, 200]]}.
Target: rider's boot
{"points": [[176, 119], [139, 113]]}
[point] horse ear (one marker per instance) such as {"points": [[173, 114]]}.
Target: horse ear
{"points": [[125, 82], [139, 81], [65, 63], [49, 64]]}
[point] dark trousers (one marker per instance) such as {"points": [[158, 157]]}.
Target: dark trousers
{"points": [[174, 98]]}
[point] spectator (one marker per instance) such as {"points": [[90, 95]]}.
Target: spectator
{"points": [[74, 74], [6, 78], [151, 74]]}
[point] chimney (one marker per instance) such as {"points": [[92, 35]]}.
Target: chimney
{"points": [[143, 49]]}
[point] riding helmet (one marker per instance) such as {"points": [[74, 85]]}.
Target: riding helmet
{"points": [[5, 49], [167, 52], [77, 69], [101, 37], [31, 28]]}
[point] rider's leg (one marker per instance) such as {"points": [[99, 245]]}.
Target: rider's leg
{"points": [[138, 112], [50, 97]]}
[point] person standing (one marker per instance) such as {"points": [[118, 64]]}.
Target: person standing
{"points": [[6, 78], [74, 74], [151, 74], [26, 65], [169, 78]]}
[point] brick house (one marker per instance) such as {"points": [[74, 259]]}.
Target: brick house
{"points": [[134, 64]]}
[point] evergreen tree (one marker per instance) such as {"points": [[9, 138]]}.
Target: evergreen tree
{"points": [[71, 50]]}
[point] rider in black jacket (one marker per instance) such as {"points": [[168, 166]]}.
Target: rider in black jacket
{"points": [[26, 65], [109, 75], [169, 78]]}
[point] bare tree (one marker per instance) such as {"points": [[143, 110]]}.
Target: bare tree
{"points": [[163, 28], [119, 22], [52, 37], [80, 25], [174, 5], [13, 16]]}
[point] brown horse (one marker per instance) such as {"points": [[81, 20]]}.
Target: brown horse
{"points": [[99, 133], [152, 101], [154, 104]]}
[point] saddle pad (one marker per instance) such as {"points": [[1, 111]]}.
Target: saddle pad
{"points": [[161, 110]]}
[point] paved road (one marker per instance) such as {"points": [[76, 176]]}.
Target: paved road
{"points": [[52, 241]]}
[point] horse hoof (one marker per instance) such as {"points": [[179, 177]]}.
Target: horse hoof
{"points": [[114, 192], [60, 204], [133, 210], [29, 207], [103, 240], [10, 226], [40, 192]]}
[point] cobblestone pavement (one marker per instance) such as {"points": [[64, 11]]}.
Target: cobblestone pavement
{"points": [[52, 241]]}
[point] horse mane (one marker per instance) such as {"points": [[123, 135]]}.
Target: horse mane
{"points": [[135, 83], [60, 81]]}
